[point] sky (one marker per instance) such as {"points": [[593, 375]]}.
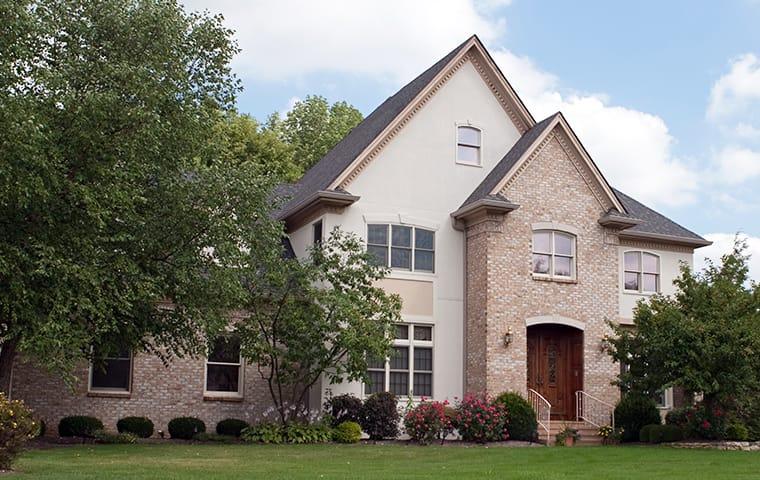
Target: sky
{"points": [[665, 95]]}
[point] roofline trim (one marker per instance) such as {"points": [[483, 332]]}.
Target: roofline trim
{"points": [[482, 206], [326, 196], [661, 237]]}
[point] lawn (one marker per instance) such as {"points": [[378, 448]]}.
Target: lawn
{"points": [[211, 462]]}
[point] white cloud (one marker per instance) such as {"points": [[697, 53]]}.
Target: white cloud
{"points": [[736, 165], [723, 243], [291, 103], [746, 131], [737, 90]]}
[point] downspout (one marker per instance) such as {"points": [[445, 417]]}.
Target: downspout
{"points": [[464, 312]]}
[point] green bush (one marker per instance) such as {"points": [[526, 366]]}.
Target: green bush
{"points": [[737, 431], [186, 428], [303, 433], [665, 434], [79, 426], [231, 426], [481, 420], [679, 416], [264, 432], [634, 412], [343, 408], [347, 432], [521, 423], [114, 438], [645, 432], [16, 428], [214, 437], [139, 426], [41, 429], [379, 416]]}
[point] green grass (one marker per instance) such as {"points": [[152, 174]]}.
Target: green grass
{"points": [[211, 462]]}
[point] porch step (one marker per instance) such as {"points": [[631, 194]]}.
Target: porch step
{"points": [[588, 432]]}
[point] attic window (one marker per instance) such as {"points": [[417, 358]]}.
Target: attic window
{"points": [[468, 145]]}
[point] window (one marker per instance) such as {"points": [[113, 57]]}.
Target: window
{"points": [[402, 247], [317, 233], [642, 272], [554, 254], [409, 369], [111, 373], [468, 145], [224, 375]]}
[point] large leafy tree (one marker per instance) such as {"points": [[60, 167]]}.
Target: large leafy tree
{"points": [[111, 200], [318, 317], [704, 339], [313, 126]]}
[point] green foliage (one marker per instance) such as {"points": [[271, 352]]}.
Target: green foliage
{"points": [[633, 412], [347, 432], [186, 428], [343, 408], [17, 426], [264, 432], [379, 416], [645, 432], [113, 438], [522, 423], [678, 416], [427, 422], [561, 439], [231, 426], [79, 426], [214, 438], [737, 431], [305, 433], [139, 426], [748, 413], [661, 434], [481, 420]]}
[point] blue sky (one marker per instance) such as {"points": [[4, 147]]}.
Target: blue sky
{"points": [[664, 94]]}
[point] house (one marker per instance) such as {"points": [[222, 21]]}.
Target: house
{"points": [[508, 246]]}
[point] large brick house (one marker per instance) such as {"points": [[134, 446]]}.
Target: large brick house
{"points": [[509, 248]]}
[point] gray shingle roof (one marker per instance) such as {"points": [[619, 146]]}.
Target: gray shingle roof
{"points": [[654, 222]]}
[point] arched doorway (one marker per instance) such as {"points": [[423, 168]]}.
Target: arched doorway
{"points": [[555, 366]]}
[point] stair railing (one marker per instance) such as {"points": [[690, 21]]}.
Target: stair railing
{"points": [[592, 410], [543, 410]]}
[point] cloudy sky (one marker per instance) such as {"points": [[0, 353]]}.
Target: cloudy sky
{"points": [[665, 95]]}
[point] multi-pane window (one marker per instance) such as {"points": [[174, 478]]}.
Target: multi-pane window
{"points": [[402, 247], [111, 373], [409, 369], [642, 272], [223, 367], [468, 145], [553, 254]]}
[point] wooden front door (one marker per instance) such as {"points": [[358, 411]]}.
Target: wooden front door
{"points": [[555, 366]]}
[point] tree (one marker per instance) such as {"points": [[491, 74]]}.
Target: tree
{"points": [[313, 127], [704, 339], [111, 199], [323, 315]]}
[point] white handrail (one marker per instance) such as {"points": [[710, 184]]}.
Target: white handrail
{"points": [[543, 410], [593, 410]]}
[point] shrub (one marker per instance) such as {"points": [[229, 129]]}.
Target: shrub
{"points": [[303, 433], [114, 438], [79, 426], [664, 434], [737, 431], [343, 408], [16, 428], [633, 412], [231, 427], [678, 416], [521, 424], [480, 420], [41, 429], [646, 431], [214, 437], [427, 422], [561, 438], [379, 416], [265, 432], [186, 428], [139, 426], [347, 432]]}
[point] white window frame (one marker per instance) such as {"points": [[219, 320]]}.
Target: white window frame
{"points": [[128, 390], [573, 254], [457, 143], [389, 246], [409, 343], [640, 272], [321, 238], [219, 393], [667, 395]]}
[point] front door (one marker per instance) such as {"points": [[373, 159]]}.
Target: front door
{"points": [[555, 366]]}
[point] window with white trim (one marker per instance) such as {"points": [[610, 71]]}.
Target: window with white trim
{"points": [[224, 372], [316, 233], [553, 254], [402, 247], [642, 272], [468, 145], [409, 369], [111, 373]]}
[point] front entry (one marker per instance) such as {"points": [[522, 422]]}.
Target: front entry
{"points": [[555, 366]]}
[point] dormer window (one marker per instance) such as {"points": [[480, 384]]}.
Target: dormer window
{"points": [[468, 145]]}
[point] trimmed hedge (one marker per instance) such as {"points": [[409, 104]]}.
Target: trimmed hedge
{"points": [[664, 433], [186, 428], [645, 432], [79, 426], [634, 412], [139, 426], [347, 432], [379, 416], [521, 424], [343, 408], [231, 427]]}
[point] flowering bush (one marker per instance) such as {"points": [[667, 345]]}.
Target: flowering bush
{"points": [[481, 420], [427, 422], [16, 428], [699, 421]]}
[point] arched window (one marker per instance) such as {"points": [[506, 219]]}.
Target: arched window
{"points": [[468, 145], [642, 272], [553, 254]]}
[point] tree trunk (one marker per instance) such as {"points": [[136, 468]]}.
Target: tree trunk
{"points": [[7, 356]]}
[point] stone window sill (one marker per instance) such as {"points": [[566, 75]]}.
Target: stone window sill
{"points": [[544, 278], [109, 394], [222, 398]]}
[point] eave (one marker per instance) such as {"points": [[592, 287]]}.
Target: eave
{"points": [[481, 209], [662, 238], [300, 213], [618, 222]]}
